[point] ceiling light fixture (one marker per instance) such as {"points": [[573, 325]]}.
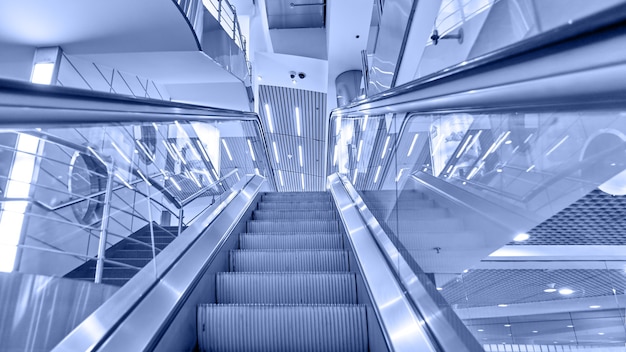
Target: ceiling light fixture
{"points": [[276, 152], [230, 157], [300, 155], [377, 174], [302, 178], [502, 305], [412, 144], [382, 156], [550, 290], [270, 123], [298, 120], [356, 172], [251, 150], [521, 237], [280, 176], [566, 291], [358, 153], [595, 307], [365, 118]]}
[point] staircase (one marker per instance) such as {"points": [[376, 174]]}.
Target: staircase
{"points": [[289, 287], [136, 250]]}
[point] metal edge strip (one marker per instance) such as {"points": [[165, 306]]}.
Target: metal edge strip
{"points": [[450, 335], [101, 325], [402, 326]]}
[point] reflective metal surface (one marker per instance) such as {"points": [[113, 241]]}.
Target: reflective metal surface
{"points": [[36, 312], [402, 327], [135, 318]]}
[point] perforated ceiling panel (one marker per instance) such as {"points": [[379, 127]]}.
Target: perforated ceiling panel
{"points": [[493, 287], [596, 219]]}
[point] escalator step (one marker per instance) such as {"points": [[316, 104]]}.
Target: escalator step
{"points": [[294, 214], [286, 288], [288, 260], [287, 241], [295, 205], [295, 196], [295, 226], [282, 327]]}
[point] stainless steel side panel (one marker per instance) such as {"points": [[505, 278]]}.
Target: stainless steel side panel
{"points": [[403, 328], [37, 311], [136, 315]]}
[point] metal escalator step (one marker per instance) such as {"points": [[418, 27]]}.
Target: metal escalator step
{"points": [[295, 196], [294, 205], [282, 328], [253, 260], [290, 241], [293, 226], [286, 288], [144, 252], [294, 214]]}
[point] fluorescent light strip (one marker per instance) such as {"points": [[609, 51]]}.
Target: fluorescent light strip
{"points": [[269, 118], [144, 150], [120, 152], [251, 150], [155, 126], [298, 120], [302, 178], [449, 169], [467, 140], [179, 153], [557, 145], [179, 127], [382, 156], [17, 186], [399, 175], [276, 153], [377, 174], [144, 178], [412, 144], [530, 168], [365, 118], [230, 157], [96, 155], [195, 180], [123, 180], [169, 150], [280, 176], [204, 154], [300, 155], [42, 73], [356, 172], [193, 151], [175, 184], [256, 171], [358, 154]]}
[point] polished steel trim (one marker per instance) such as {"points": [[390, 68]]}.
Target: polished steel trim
{"points": [[440, 320], [401, 324], [135, 316]]}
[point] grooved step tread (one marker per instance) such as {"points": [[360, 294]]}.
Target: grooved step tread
{"points": [[282, 327], [293, 214], [253, 260], [286, 288], [298, 241]]}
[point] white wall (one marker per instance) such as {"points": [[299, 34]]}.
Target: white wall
{"points": [[16, 62], [307, 42]]}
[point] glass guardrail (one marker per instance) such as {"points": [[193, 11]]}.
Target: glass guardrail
{"points": [[506, 196]]}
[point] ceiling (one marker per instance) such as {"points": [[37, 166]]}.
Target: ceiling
{"points": [[282, 103], [287, 14]]}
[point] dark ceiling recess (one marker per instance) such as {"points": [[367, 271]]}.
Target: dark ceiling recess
{"points": [[288, 14], [595, 219]]}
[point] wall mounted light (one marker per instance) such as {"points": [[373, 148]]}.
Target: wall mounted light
{"points": [[46, 65]]}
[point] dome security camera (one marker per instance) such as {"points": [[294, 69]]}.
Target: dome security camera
{"points": [[292, 75], [301, 75]]}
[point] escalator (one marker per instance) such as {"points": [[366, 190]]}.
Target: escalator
{"points": [[289, 284]]}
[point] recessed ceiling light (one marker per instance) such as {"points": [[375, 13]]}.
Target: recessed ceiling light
{"points": [[508, 142], [502, 305], [570, 326], [549, 290], [595, 307], [600, 333], [480, 330], [566, 291], [439, 289], [535, 331], [521, 237], [465, 271], [507, 325]]}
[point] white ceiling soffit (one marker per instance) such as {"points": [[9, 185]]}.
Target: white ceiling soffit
{"points": [[283, 14], [273, 70], [219, 95], [96, 26], [312, 106]]}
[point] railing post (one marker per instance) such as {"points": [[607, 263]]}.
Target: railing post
{"points": [[104, 224], [181, 212]]}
